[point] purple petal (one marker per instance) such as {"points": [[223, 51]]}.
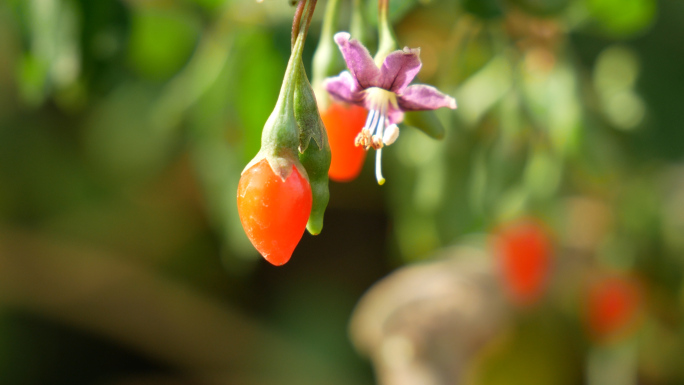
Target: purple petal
{"points": [[399, 69], [344, 88], [395, 115], [421, 97], [359, 60]]}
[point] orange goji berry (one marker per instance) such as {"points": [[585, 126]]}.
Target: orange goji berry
{"points": [[524, 252], [343, 123], [273, 212], [612, 307]]}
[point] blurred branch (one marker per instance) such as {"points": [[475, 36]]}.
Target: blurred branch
{"points": [[205, 65], [105, 294], [424, 323]]}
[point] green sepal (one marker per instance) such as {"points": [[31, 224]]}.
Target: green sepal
{"points": [[425, 121], [280, 136], [317, 163], [306, 112], [280, 141], [281, 160], [315, 157]]}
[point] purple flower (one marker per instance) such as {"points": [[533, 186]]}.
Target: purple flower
{"points": [[384, 92]]}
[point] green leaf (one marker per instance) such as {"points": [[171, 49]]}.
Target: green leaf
{"points": [[161, 42], [620, 18], [256, 89], [425, 121]]}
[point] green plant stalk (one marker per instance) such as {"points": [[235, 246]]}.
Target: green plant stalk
{"points": [[280, 136], [357, 24], [323, 60], [387, 41], [313, 140]]}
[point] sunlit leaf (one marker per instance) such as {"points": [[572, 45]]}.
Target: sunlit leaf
{"points": [[621, 18], [161, 41]]}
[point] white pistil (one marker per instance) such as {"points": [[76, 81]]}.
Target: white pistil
{"points": [[378, 167]]}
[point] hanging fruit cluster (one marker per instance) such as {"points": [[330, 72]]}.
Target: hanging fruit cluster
{"points": [[284, 189]]}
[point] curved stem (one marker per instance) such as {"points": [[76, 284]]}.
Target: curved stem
{"points": [[358, 22], [280, 136], [387, 42], [296, 20], [305, 10], [323, 60]]}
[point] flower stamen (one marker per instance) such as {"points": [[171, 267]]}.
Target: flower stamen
{"points": [[383, 89], [377, 132], [372, 133]]}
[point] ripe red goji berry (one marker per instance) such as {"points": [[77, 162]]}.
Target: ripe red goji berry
{"points": [[273, 212], [343, 123], [524, 252], [612, 307]]}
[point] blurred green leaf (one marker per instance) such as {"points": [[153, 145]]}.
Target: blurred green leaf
{"points": [[397, 10], [542, 174], [542, 349], [210, 5], [542, 7], [161, 41], [425, 121], [32, 79], [554, 104], [621, 18], [53, 58], [484, 89], [485, 9], [127, 145], [258, 74]]}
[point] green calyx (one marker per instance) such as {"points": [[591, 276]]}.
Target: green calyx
{"points": [[280, 136], [294, 134], [314, 149]]}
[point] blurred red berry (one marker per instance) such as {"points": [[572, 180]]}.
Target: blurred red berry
{"points": [[613, 307], [273, 212], [524, 251], [343, 123]]}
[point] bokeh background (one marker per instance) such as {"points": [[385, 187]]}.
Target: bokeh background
{"points": [[541, 242]]}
